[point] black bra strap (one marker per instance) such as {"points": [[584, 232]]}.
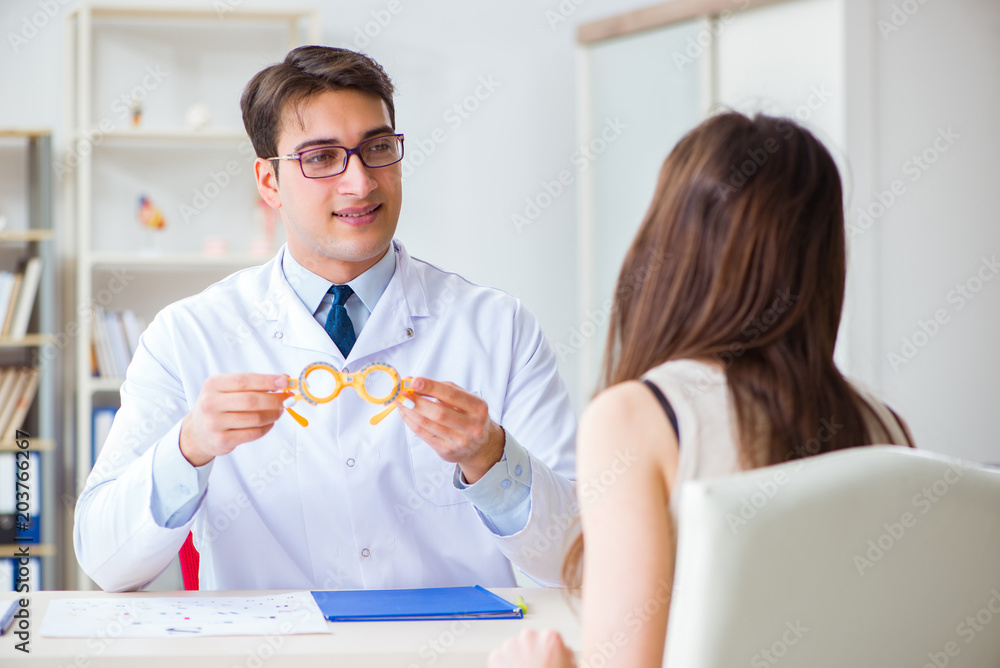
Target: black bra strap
{"points": [[667, 408]]}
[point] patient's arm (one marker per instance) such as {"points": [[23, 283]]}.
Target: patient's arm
{"points": [[627, 461]]}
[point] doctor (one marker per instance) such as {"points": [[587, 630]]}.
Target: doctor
{"points": [[469, 478]]}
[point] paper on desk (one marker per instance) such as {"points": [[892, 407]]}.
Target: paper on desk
{"points": [[156, 617]]}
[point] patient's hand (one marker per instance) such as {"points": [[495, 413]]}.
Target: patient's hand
{"points": [[533, 649]]}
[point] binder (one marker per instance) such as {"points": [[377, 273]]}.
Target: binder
{"points": [[101, 420], [393, 605]]}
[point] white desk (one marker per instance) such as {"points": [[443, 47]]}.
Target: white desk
{"points": [[437, 644]]}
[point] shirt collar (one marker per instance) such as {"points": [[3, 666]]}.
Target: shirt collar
{"points": [[311, 288]]}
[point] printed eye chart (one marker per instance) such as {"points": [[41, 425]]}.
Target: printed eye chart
{"points": [[155, 617]]}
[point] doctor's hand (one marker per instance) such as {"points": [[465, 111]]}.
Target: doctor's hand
{"points": [[533, 649], [231, 409], [456, 424]]}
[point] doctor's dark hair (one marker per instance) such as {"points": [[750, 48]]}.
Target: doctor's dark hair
{"points": [[306, 71], [742, 259]]}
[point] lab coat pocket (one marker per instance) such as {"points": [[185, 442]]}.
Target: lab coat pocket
{"points": [[433, 477]]}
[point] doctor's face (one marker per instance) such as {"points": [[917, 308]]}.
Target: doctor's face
{"points": [[337, 226]]}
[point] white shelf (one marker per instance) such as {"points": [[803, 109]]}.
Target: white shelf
{"points": [[26, 235], [172, 261], [108, 49], [165, 136], [152, 12], [43, 420], [98, 384], [28, 341]]}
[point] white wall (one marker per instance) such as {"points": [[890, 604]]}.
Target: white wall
{"points": [[935, 75], [936, 71]]}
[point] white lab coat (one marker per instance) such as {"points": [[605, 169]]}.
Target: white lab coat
{"points": [[340, 503]]}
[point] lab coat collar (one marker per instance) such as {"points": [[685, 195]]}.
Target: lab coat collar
{"points": [[390, 324]]}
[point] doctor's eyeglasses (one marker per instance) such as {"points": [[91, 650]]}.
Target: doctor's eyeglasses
{"points": [[325, 161], [320, 383]]}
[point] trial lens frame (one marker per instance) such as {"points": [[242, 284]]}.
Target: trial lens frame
{"points": [[298, 388]]}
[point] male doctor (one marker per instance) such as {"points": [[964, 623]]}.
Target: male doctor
{"points": [[469, 478]]}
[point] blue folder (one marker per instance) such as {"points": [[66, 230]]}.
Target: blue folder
{"points": [[393, 605]]}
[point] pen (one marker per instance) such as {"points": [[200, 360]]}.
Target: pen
{"points": [[7, 616], [519, 602]]}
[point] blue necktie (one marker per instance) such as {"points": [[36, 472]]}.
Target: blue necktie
{"points": [[338, 323]]}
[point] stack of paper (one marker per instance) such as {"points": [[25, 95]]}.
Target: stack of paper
{"points": [[158, 617]]}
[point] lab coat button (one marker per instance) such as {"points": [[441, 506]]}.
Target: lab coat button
{"points": [[517, 470], [350, 461], [183, 489], [365, 552], [278, 335], [505, 484], [409, 333]]}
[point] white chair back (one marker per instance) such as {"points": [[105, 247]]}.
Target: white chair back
{"points": [[875, 556]]}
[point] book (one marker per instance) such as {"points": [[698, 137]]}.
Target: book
{"points": [[134, 327], [119, 343], [10, 405], [105, 358], [8, 378], [23, 403], [26, 298], [7, 310], [393, 605]]}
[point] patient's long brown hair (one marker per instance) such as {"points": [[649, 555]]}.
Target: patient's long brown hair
{"points": [[741, 258]]}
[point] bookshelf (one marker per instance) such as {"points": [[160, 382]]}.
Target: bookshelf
{"points": [[28, 233], [187, 153]]}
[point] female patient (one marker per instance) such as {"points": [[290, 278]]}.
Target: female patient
{"points": [[726, 310]]}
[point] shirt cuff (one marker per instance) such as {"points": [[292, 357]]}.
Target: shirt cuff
{"points": [[502, 497], [178, 487]]}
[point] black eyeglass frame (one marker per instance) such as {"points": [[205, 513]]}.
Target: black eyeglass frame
{"points": [[347, 157]]}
